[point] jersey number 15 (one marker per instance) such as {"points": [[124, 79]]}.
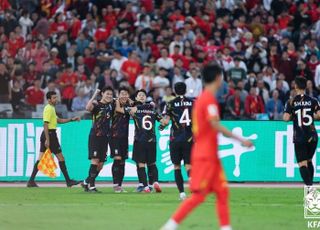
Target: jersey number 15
{"points": [[302, 116]]}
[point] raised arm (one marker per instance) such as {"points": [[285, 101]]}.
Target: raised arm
{"points": [[90, 103]]}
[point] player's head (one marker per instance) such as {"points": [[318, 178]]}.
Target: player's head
{"points": [[212, 76], [52, 97], [141, 96], [180, 88], [107, 94], [300, 83], [124, 94]]}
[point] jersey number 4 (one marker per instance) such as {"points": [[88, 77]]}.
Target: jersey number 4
{"points": [[185, 118], [302, 116]]}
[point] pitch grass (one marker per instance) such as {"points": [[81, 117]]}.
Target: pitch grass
{"points": [[73, 209]]}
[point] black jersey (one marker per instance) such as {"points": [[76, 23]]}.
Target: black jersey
{"points": [[180, 112], [302, 108], [144, 120], [101, 119], [120, 125]]}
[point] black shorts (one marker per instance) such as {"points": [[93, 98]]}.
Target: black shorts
{"points": [[180, 151], [144, 152], [119, 147], [98, 147], [54, 142], [305, 151]]}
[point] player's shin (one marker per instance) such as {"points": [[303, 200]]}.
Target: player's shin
{"points": [[116, 172], [121, 172], [152, 174], [305, 174], [179, 180], [311, 170], [92, 175], [223, 208], [142, 176]]}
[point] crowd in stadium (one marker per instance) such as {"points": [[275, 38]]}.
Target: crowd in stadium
{"points": [[75, 46]]}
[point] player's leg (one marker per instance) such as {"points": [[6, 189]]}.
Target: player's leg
{"points": [[143, 176], [311, 151], [31, 182], [302, 159], [153, 174], [187, 157], [116, 173], [176, 157]]}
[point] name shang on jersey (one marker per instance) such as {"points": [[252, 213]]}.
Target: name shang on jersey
{"points": [[302, 103]]}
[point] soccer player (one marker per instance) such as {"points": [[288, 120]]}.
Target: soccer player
{"points": [[99, 137], [144, 147], [119, 140], [179, 110], [207, 175], [49, 139], [301, 110]]}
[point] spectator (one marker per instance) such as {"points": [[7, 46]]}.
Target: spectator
{"points": [[274, 106], [253, 104], [235, 106], [144, 80], [117, 61], [131, 68], [67, 83], [164, 61], [236, 73], [262, 91], [161, 82], [34, 94], [4, 84], [42, 26], [26, 23], [221, 96], [17, 98], [310, 90], [80, 101], [194, 84]]}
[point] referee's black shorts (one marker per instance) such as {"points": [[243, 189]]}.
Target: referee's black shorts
{"points": [[305, 151], [54, 142], [180, 151], [119, 147], [144, 152], [98, 147]]}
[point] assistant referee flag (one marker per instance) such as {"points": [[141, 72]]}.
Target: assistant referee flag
{"points": [[47, 165]]}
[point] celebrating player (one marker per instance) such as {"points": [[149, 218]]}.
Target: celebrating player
{"points": [[207, 175], [180, 110], [99, 137], [301, 110], [49, 139], [144, 147], [119, 140]]}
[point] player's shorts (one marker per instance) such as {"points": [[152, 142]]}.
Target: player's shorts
{"points": [[119, 147], [54, 142], [180, 151], [305, 151], [207, 176], [144, 152], [98, 147]]}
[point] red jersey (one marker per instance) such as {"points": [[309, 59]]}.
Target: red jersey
{"points": [[132, 68], [206, 138], [34, 96]]}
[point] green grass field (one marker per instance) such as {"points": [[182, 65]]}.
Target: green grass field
{"points": [[72, 209]]}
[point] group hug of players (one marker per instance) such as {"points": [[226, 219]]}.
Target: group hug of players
{"points": [[111, 128]]}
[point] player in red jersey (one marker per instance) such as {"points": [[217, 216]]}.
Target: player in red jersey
{"points": [[207, 175]]}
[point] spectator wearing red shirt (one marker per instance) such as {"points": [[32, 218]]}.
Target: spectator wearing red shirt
{"points": [[89, 60], [30, 75], [39, 54], [59, 25], [101, 33], [14, 44], [188, 58], [68, 81], [131, 68], [176, 54], [75, 26], [312, 63], [54, 56], [34, 94], [253, 104]]}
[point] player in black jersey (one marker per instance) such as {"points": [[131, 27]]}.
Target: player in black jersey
{"points": [[100, 133], [144, 147], [302, 109], [119, 140], [179, 110]]}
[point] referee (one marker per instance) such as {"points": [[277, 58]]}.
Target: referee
{"points": [[49, 139]]}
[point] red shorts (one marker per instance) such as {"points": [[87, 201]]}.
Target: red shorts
{"points": [[207, 176]]}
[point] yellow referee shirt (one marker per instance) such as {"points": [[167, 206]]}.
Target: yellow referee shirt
{"points": [[50, 116]]}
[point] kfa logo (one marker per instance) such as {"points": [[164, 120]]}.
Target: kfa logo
{"points": [[284, 152], [233, 148], [312, 206]]}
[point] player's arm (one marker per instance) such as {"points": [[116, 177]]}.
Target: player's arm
{"points": [[90, 104], [316, 110], [166, 115], [213, 116], [287, 111], [286, 116]]}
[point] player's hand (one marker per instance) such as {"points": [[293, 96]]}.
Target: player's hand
{"points": [[133, 110], [75, 119], [247, 143], [47, 144]]}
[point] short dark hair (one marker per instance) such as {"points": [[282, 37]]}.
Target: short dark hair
{"points": [[107, 88], [141, 91], [50, 94], [301, 82], [180, 88], [211, 72], [123, 88]]}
